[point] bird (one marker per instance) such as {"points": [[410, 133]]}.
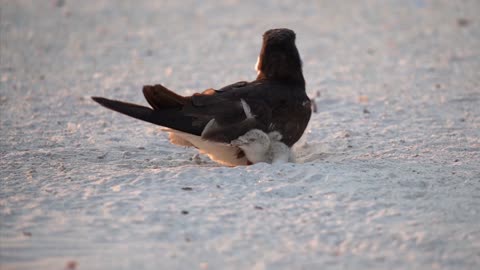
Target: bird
{"points": [[259, 146], [276, 101]]}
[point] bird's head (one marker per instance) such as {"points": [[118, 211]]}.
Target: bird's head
{"points": [[279, 58], [254, 141]]}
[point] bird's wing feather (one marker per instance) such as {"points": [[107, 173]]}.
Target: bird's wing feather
{"points": [[160, 97], [172, 118], [226, 107]]}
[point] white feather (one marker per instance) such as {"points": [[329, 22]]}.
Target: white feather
{"points": [[247, 109]]}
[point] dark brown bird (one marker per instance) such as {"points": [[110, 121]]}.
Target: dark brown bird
{"points": [[209, 121]]}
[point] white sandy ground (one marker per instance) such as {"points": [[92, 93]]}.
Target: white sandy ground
{"points": [[388, 174]]}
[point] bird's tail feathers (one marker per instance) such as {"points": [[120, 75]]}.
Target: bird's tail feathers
{"points": [[170, 117]]}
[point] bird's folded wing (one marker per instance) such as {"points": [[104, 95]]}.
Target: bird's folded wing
{"points": [[226, 106]]}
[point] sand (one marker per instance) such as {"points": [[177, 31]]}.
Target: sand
{"points": [[388, 172]]}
